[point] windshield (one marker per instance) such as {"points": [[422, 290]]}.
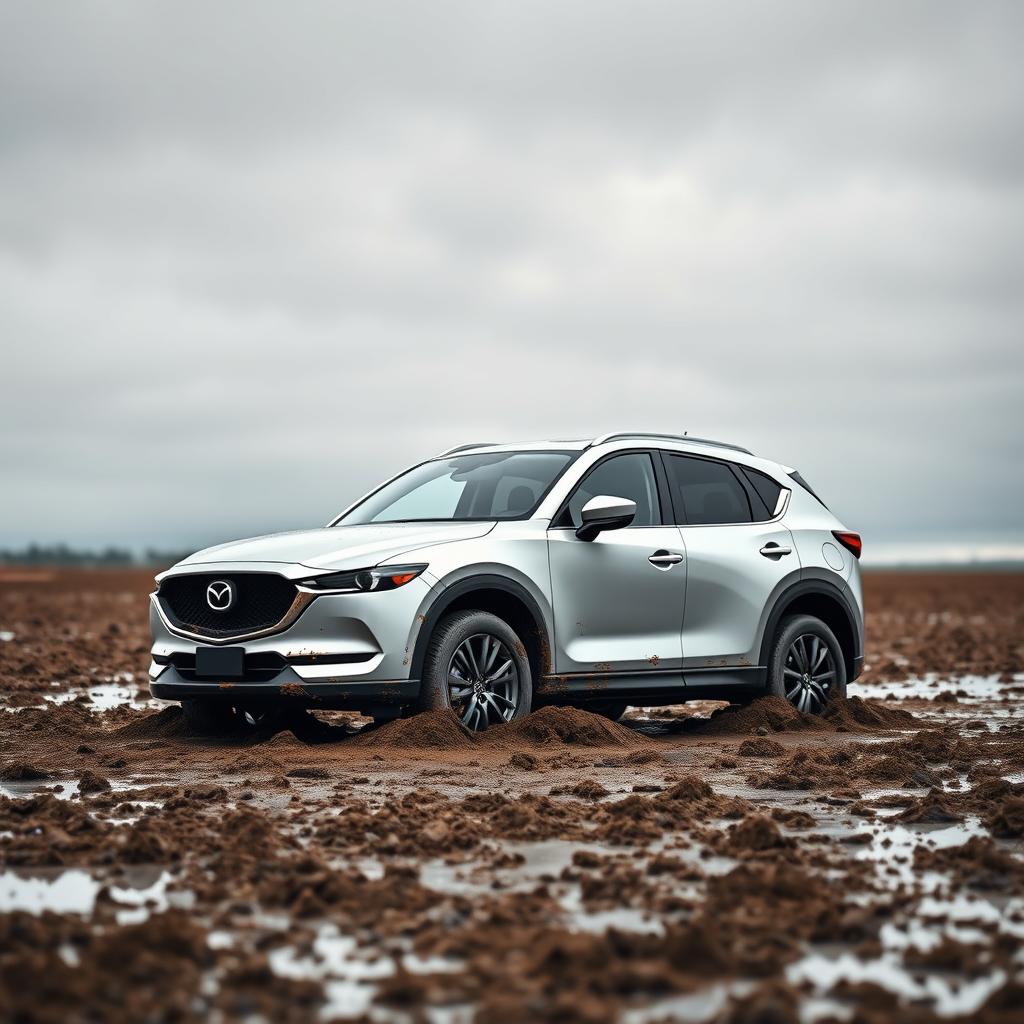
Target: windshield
{"points": [[502, 485]]}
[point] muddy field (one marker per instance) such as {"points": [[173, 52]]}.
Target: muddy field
{"points": [[691, 863]]}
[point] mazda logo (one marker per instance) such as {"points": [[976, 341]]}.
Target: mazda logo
{"points": [[220, 595]]}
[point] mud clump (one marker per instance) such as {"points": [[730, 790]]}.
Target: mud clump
{"points": [[168, 723], [775, 714], [855, 714], [978, 863], [806, 769], [90, 782], [688, 790], [772, 713], [1008, 821], [932, 809], [21, 771], [429, 730], [586, 789], [761, 747], [308, 773], [523, 761], [755, 833], [563, 725]]}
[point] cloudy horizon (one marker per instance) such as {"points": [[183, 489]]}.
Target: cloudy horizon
{"points": [[255, 259]]}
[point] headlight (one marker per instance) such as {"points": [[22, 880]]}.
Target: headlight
{"points": [[382, 577]]}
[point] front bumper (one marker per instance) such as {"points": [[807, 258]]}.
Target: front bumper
{"points": [[288, 687], [344, 650]]}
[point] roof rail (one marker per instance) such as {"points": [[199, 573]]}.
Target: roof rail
{"points": [[625, 435], [465, 448]]}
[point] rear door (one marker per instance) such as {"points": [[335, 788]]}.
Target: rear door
{"points": [[737, 552], [615, 609]]}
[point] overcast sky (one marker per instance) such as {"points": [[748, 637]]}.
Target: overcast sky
{"points": [[254, 257]]}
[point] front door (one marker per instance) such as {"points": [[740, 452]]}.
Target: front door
{"points": [[618, 600]]}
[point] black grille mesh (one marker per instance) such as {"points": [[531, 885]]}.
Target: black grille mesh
{"points": [[261, 601]]}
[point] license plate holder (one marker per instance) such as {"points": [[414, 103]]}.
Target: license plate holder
{"points": [[220, 662]]}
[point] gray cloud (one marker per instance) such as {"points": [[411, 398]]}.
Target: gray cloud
{"points": [[252, 260]]}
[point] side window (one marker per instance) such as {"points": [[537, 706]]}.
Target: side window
{"points": [[623, 476], [707, 492], [766, 489]]}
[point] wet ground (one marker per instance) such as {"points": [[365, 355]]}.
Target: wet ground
{"points": [[690, 863]]}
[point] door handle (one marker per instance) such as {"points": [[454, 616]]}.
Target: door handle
{"points": [[665, 559], [772, 550]]}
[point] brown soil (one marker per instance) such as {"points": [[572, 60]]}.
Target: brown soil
{"points": [[745, 839]]}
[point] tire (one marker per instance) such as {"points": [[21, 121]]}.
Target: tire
{"points": [[459, 642], [800, 671], [209, 718], [613, 709]]}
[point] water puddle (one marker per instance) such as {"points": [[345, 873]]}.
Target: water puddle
{"points": [[116, 691], [68, 790], [950, 996], [971, 689], [694, 1006], [139, 891]]}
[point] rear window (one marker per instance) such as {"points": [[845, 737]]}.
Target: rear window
{"points": [[766, 492], [807, 487]]}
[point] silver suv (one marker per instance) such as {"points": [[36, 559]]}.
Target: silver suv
{"points": [[630, 569]]}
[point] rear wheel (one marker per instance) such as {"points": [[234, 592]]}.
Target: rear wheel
{"points": [[476, 666], [806, 667]]}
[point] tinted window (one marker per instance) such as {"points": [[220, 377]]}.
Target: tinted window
{"points": [[707, 492], [766, 489], [623, 476], [807, 487], [503, 485]]}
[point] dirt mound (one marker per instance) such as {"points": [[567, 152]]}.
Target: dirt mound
{"points": [[430, 730], [772, 713], [90, 782], [1008, 821], [56, 720], [855, 713], [166, 724], [571, 726], [19, 771], [761, 746], [933, 808]]}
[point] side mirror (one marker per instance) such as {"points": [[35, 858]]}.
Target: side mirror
{"points": [[604, 512]]}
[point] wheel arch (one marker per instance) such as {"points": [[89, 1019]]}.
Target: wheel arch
{"points": [[824, 601], [500, 596]]}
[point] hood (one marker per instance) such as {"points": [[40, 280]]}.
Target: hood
{"points": [[340, 547]]}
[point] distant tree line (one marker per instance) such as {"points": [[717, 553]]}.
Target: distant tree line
{"points": [[63, 555]]}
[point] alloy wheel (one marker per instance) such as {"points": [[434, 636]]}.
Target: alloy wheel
{"points": [[809, 673], [483, 682]]}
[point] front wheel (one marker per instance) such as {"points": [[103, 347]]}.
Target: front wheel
{"points": [[806, 667], [477, 667]]}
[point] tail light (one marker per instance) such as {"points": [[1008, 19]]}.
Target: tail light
{"points": [[850, 541]]}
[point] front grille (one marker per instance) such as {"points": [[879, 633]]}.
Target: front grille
{"points": [[261, 601]]}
